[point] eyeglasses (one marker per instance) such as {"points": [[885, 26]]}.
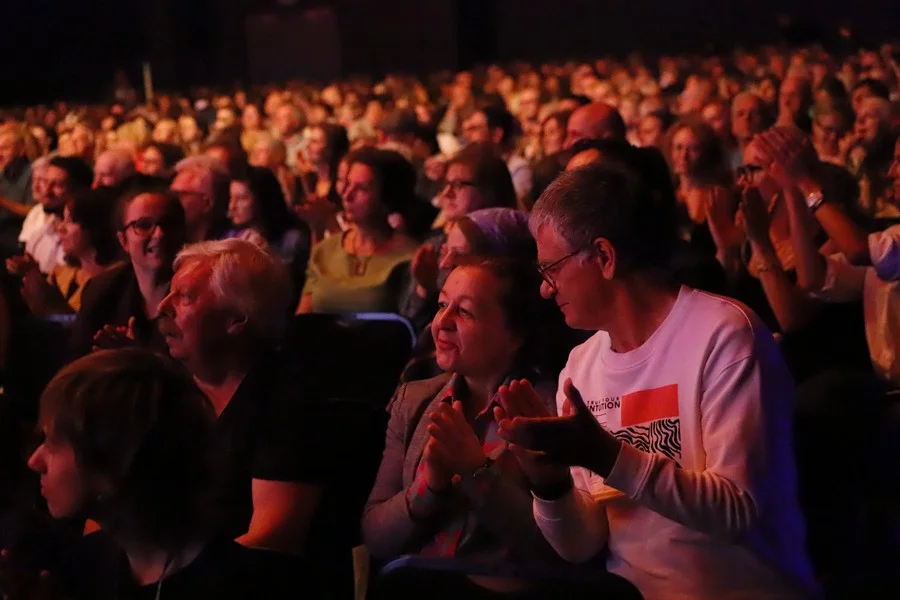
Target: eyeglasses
{"points": [[144, 226], [545, 271], [746, 171], [457, 185]]}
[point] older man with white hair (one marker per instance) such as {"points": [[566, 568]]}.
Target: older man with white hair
{"points": [[113, 167], [227, 306], [202, 185]]}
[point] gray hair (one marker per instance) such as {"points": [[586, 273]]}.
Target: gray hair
{"points": [[245, 278], [621, 202], [202, 162], [122, 158]]}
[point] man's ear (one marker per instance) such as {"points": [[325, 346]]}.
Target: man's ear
{"points": [[605, 257], [120, 235], [237, 323]]}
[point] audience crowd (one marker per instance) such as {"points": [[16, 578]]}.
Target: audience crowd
{"points": [[655, 350]]}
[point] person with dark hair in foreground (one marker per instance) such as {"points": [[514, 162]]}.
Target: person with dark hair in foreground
{"points": [[127, 441], [675, 416]]}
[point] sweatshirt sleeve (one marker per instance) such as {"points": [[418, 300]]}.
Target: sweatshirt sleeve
{"points": [[574, 525], [740, 441]]}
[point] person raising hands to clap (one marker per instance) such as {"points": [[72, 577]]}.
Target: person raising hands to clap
{"points": [[446, 486], [675, 416]]}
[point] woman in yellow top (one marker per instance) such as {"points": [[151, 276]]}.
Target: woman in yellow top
{"points": [[365, 268], [89, 242]]}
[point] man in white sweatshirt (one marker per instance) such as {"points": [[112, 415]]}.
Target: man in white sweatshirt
{"points": [[676, 413]]}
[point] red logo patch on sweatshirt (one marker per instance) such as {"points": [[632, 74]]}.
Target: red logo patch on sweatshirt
{"points": [[650, 405]]}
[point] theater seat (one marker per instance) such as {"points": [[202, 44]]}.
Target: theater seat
{"points": [[410, 574], [358, 356]]}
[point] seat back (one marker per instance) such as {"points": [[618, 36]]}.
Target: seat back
{"points": [[352, 356]]}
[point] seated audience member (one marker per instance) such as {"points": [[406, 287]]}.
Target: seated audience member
{"points": [[269, 152], [876, 152], [676, 413], [747, 119], [495, 125], [867, 268], [90, 246], [447, 485], [15, 186], [202, 186], [553, 132], [260, 215], [828, 128], [120, 305], [223, 320], [477, 178], [489, 233], [158, 159], [595, 121], [128, 442], [365, 268], [112, 167], [226, 149], [53, 186], [326, 145]]}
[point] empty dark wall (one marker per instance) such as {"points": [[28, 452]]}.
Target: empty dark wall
{"points": [[536, 29]]}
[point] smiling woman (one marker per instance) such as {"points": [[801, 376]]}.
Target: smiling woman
{"points": [[446, 478], [122, 302]]}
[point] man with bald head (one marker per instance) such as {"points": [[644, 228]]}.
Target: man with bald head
{"points": [[112, 168], [597, 121]]}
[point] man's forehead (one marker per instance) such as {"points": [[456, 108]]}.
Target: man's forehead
{"points": [[192, 274]]}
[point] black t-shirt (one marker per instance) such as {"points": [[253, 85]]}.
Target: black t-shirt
{"points": [[274, 429], [223, 570]]}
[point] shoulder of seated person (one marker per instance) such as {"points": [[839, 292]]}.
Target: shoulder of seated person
{"points": [[413, 392], [107, 281]]}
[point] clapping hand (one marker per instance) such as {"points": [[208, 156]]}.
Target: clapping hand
{"points": [[720, 218], [22, 265], [455, 444], [425, 268], [115, 336], [791, 157], [573, 439], [754, 217]]}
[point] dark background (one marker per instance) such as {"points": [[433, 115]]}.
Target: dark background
{"points": [[55, 49]]}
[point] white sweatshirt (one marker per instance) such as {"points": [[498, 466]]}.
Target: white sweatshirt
{"points": [[702, 500]]}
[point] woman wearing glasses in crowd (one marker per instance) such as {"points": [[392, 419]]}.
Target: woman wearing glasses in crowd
{"points": [[477, 177], [447, 485], [120, 305]]}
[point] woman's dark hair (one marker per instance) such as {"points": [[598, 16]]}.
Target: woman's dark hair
{"points": [[269, 206], [489, 172], [395, 178], [138, 421], [171, 153], [78, 172], [547, 340], [91, 210], [336, 145]]}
